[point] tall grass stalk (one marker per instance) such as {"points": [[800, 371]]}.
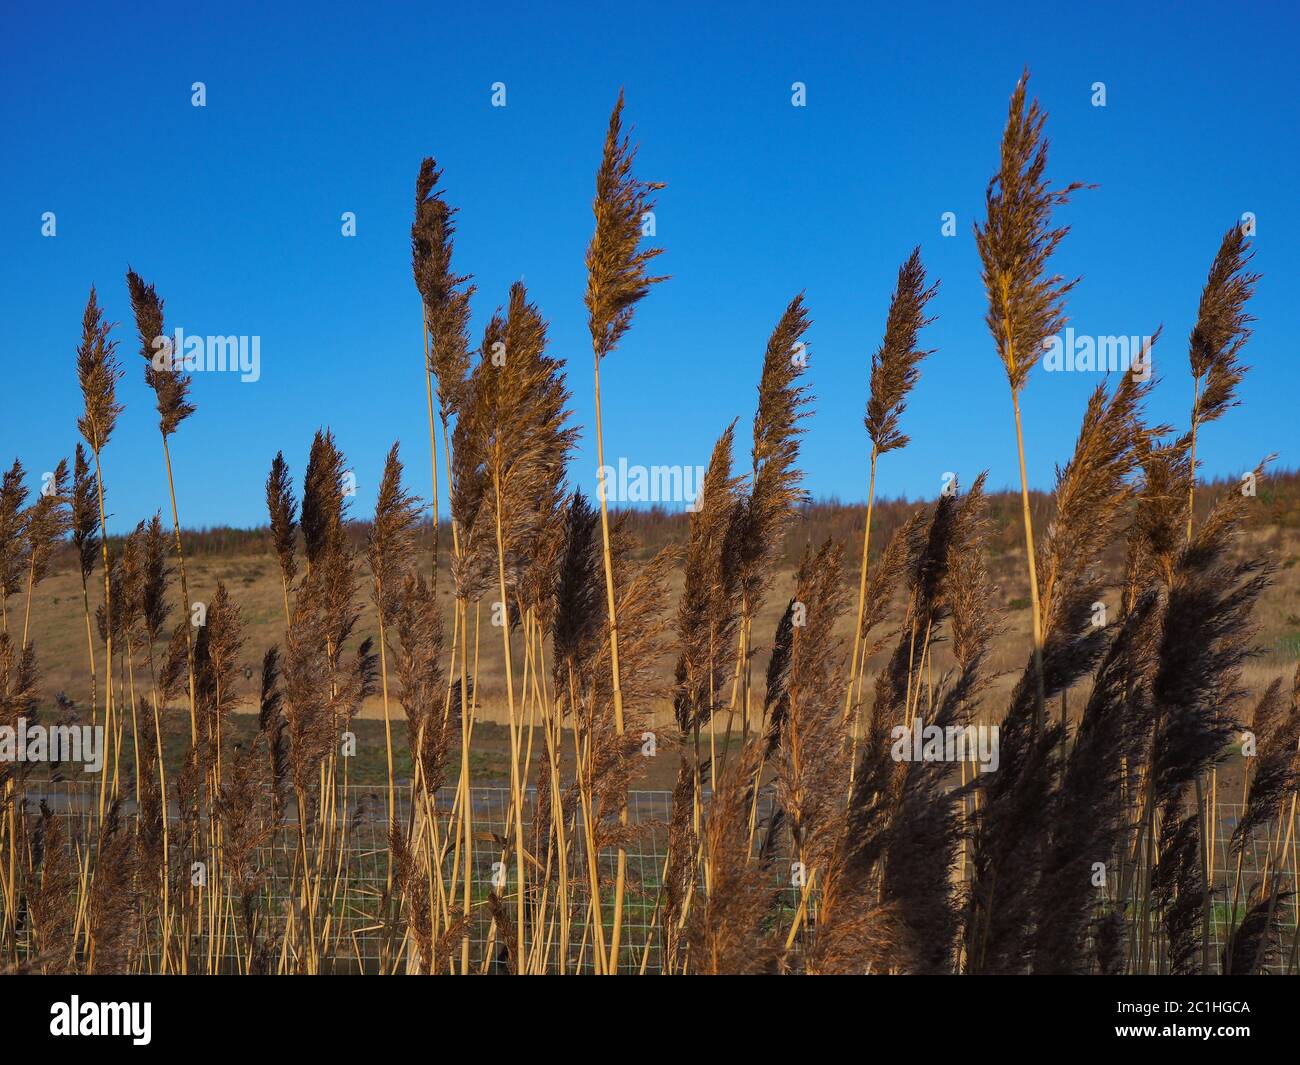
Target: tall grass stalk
{"points": [[616, 282], [1026, 304], [895, 369], [171, 386]]}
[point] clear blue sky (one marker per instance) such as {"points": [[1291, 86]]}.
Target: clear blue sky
{"points": [[233, 211]]}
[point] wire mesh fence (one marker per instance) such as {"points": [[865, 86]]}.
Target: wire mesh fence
{"points": [[358, 884], [356, 911], [1272, 848]]}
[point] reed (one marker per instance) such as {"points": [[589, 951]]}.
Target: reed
{"points": [[445, 297], [1026, 303], [163, 373], [13, 520], [282, 509], [616, 282], [1222, 329], [240, 853], [392, 538], [98, 374], [895, 369]]}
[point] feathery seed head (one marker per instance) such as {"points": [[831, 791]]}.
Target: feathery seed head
{"points": [[1222, 327], [48, 519], [1026, 304], [392, 535], [161, 371], [283, 511], [324, 505], [98, 372], [775, 492], [85, 512], [444, 293], [13, 523], [616, 270], [895, 367]]}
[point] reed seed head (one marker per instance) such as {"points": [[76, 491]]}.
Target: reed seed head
{"points": [[616, 269]]}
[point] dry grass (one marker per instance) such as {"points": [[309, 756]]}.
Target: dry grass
{"points": [[721, 653]]}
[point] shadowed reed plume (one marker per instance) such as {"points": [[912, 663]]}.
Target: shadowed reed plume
{"points": [[13, 521], [271, 725], [928, 830], [1276, 773], [709, 612], [245, 803], [1254, 943], [282, 509], [904, 831], [729, 931], [1012, 831], [52, 905], [113, 910], [805, 731], [1089, 817], [323, 500], [86, 544], [1206, 639], [766, 512]]}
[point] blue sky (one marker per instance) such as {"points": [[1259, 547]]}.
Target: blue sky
{"points": [[233, 211]]}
